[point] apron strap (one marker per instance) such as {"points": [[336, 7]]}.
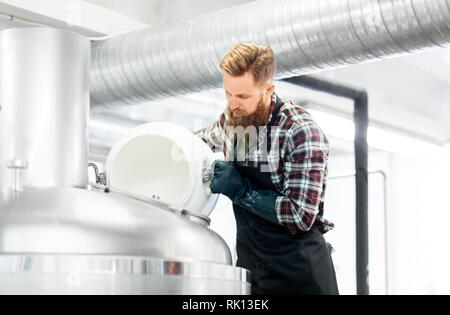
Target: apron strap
{"points": [[276, 111]]}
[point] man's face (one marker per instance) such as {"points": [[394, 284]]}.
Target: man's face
{"points": [[246, 100]]}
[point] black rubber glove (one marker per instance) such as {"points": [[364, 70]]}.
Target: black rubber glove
{"points": [[241, 191]]}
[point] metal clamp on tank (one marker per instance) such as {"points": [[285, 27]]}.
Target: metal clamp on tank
{"points": [[100, 178], [196, 217], [208, 173]]}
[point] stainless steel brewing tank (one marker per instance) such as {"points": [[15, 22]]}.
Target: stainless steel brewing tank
{"points": [[117, 275], [44, 99], [65, 241], [56, 235]]}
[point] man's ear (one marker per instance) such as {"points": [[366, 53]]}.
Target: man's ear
{"points": [[270, 89]]}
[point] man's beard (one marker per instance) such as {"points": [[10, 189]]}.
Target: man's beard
{"points": [[258, 118]]}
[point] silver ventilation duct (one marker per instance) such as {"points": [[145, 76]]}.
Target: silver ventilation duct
{"points": [[307, 36]]}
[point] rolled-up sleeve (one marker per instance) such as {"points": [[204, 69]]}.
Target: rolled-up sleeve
{"points": [[305, 171]]}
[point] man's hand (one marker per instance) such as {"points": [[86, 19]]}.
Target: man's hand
{"points": [[227, 181]]}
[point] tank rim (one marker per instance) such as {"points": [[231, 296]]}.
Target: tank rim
{"points": [[120, 265]]}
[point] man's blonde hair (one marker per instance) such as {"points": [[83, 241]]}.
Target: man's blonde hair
{"points": [[244, 57]]}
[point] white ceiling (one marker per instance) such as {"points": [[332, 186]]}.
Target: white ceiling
{"points": [[157, 12]]}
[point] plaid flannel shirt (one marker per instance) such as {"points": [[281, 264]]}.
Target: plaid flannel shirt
{"points": [[296, 157]]}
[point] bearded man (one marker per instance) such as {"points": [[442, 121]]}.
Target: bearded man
{"points": [[275, 169]]}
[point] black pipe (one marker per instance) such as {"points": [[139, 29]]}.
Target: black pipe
{"points": [[361, 120]]}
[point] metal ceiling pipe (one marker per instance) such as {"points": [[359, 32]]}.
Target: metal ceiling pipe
{"points": [[307, 36], [44, 99]]}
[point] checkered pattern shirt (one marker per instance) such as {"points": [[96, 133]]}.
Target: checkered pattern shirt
{"points": [[296, 157]]}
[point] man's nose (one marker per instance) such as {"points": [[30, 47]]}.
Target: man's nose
{"points": [[234, 105]]}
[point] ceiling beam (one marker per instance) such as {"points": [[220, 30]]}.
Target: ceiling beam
{"points": [[76, 15]]}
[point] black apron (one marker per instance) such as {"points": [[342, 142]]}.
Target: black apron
{"points": [[281, 263]]}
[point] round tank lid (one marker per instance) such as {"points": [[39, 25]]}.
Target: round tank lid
{"points": [[164, 162]]}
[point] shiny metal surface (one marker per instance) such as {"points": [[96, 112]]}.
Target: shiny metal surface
{"points": [[77, 221], [44, 97], [56, 236], [307, 36], [71, 274]]}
